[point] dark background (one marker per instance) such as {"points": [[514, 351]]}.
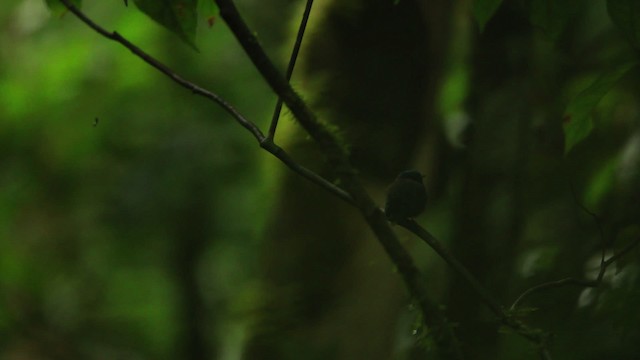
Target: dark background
{"points": [[164, 232]]}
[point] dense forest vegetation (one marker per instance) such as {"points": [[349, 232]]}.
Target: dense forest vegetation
{"points": [[153, 205]]}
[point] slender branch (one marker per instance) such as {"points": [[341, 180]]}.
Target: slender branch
{"points": [[266, 144], [534, 335], [574, 281], [356, 195], [320, 133], [253, 128], [291, 66], [553, 284], [339, 162], [622, 252], [604, 263], [433, 317], [453, 262], [282, 155], [596, 220]]}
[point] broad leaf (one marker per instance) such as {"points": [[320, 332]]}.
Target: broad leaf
{"points": [[577, 117], [626, 15], [58, 8], [179, 16], [483, 11], [208, 12]]}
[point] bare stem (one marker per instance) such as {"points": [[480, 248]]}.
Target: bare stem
{"points": [[247, 124], [551, 285], [291, 66], [533, 335], [455, 264], [604, 264]]}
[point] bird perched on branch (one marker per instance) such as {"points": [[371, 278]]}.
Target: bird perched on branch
{"points": [[406, 197]]}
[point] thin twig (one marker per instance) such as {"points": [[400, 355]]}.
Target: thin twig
{"points": [[292, 63], [433, 317], [596, 220], [283, 156], [265, 143], [604, 263], [321, 134], [534, 335], [356, 194], [454, 263], [553, 284], [253, 128], [574, 281], [621, 253], [339, 162]]}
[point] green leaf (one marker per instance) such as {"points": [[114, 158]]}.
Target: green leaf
{"points": [[483, 11], [58, 8], [601, 184], [625, 14], [552, 16], [208, 12], [577, 120], [179, 16]]}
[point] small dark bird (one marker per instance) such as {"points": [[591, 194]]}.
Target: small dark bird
{"points": [[406, 197]]}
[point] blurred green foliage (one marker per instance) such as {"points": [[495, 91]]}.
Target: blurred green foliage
{"points": [[99, 155], [138, 221]]}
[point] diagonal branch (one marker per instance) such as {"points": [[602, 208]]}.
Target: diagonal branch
{"points": [[292, 64], [620, 253], [339, 161], [335, 153], [453, 262], [115, 36], [284, 157], [534, 335], [355, 193], [433, 317], [265, 143]]}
